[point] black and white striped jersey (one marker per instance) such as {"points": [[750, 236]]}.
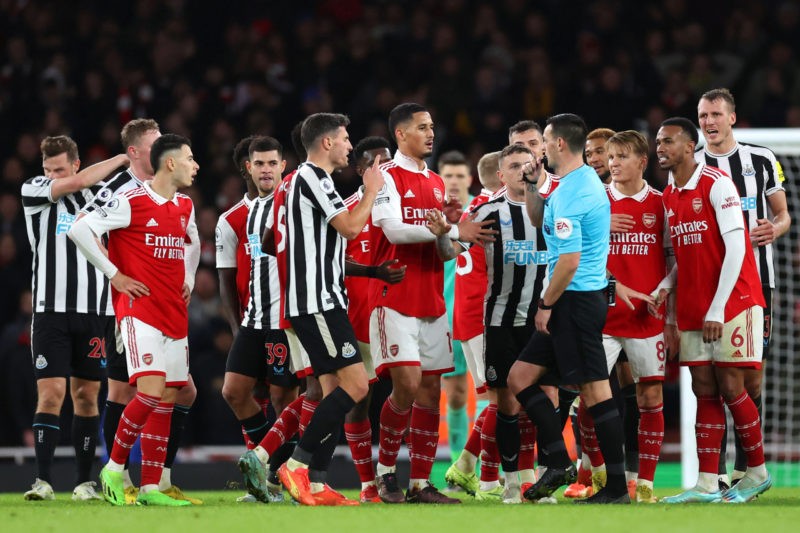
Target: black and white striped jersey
{"points": [[122, 182], [315, 250], [516, 263], [63, 280], [757, 175], [263, 305]]}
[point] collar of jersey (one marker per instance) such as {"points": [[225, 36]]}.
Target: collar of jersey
{"points": [[732, 151], [157, 198], [135, 177], [406, 163], [639, 196], [693, 181]]}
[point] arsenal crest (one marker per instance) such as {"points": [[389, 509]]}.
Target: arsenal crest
{"points": [[649, 219], [183, 223], [393, 349], [438, 195], [697, 205], [147, 358]]}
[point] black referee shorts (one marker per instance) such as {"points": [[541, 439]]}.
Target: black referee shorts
{"points": [[329, 339], [261, 354], [573, 352], [70, 344], [502, 346]]}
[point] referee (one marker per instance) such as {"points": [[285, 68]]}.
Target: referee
{"points": [[567, 347]]}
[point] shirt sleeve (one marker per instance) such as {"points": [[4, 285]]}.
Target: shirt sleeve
{"points": [[567, 216], [727, 205], [86, 231], [36, 194], [774, 175], [192, 250], [387, 202], [227, 243], [320, 191]]}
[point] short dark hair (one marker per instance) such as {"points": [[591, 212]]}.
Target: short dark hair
{"points": [[319, 124], [524, 125], [166, 143], [133, 130], [571, 128], [369, 143], [264, 143], [403, 113], [297, 142], [600, 133], [453, 157], [57, 145], [241, 153], [720, 94], [686, 125], [512, 149]]}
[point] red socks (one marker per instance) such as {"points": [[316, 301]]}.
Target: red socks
{"points": [[394, 423], [709, 427], [424, 437], [359, 437], [490, 455], [527, 442], [589, 443], [130, 426], [155, 436], [309, 406], [473, 444], [651, 435], [748, 427], [287, 425]]}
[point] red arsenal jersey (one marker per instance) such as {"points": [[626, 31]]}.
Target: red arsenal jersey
{"points": [[637, 259], [146, 239], [232, 247], [277, 223], [470, 288], [698, 215], [408, 195], [358, 286]]}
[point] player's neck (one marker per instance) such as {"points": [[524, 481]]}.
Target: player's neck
{"points": [[568, 165], [724, 147], [163, 186], [418, 160], [322, 162], [629, 188], [140, 172], [683, 173]]}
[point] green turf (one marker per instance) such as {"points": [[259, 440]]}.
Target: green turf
{"points": [[775, 510]]}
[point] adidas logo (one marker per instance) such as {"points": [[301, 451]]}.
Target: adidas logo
{"points": [[737, 353], [152, 222], [409, 194], [670, 213]]}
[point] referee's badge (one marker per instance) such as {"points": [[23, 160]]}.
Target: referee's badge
{"points": [[563, 228]]}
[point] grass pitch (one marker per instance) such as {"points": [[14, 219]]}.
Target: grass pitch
{"points": [[776, 510]]}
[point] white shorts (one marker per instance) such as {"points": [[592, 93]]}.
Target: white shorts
{"points": [[401, 340], [151, 353], [647, 357], [473, 354], [300, 364], [741, 343], [366, 356]]}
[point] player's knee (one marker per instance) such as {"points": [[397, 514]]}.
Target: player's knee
{"points": [[50, 397], [84, 398], [233, 394], [187, 394]]}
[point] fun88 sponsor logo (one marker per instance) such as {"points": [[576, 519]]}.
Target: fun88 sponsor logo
{"points": [[749, 203], [254, 245], [523, 253], [64, 223]]}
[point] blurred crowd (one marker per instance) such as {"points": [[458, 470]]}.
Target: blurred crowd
{"points": [[217, 72]]}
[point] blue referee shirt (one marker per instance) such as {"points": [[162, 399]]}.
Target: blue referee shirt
{"points": [[577, 218]]}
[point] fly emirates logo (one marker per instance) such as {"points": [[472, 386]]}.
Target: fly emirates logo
{"points": [[688, 233], [165, 246], [415, 215], [634, 243]]}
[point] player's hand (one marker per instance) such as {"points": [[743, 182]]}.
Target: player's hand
{"points": [[476, 232], [532, 172], [123, 160], [672, 340], [764, 233], [436, 223], [373, 177], [626, 294], [659, 298], [541, 320], [712, 331], [453, 210], [187, 294], [389, 273], [621, 223], [129, 286]]}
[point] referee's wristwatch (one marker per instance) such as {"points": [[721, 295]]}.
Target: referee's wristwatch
{"points": [[543, 306]]}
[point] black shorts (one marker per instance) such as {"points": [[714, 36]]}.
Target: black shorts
{"points": [[573, 352], [261, 354], [117, 365], [70, 344], [767, 320], [502, 346], [329, 339]]}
